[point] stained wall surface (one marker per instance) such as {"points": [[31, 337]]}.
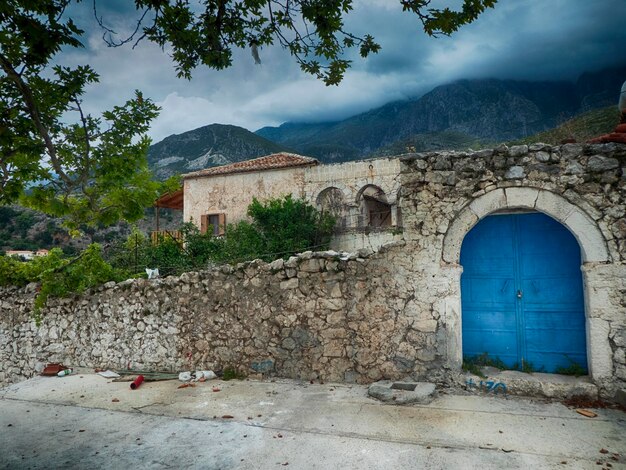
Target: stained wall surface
{"points": [[231, 194]]}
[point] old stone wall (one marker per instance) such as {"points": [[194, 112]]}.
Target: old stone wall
{"points": [[316, 316], [444, 194], [391, 314]]}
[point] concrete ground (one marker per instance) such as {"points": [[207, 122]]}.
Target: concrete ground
{"points": [[86, 421]]}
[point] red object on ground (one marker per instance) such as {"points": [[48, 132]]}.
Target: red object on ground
{"points": [[137, 382], [53, 369]]}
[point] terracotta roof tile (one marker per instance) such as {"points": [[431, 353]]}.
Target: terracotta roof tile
{"points": [[270, 162]]}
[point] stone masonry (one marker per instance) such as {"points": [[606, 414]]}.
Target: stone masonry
{"points": [[583, 186], [315, 316], [363, 317]]}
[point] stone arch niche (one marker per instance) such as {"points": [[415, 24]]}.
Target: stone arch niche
{"points": [[594, 254], [331, 201], [374, 207]]}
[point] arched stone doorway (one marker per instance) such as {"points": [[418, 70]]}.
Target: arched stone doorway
{"points": [[594, 255], [522, 294]]}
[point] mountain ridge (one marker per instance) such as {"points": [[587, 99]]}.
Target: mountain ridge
{"points": [[206, 146], [489, 110]]}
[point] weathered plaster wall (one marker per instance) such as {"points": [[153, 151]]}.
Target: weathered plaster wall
{"points": [[391, 314], [354, 239], [350, 178], [233, 193]]}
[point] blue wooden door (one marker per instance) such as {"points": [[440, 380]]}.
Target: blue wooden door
{"points": [[521, 291]]}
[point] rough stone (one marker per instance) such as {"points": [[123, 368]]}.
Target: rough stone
{"points": [[599, 163], [518, 150], [515, 173], [290, 284], [569, 151], [402, 393]]}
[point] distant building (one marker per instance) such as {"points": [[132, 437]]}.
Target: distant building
{"points": [[362, 194], [26, 254]]}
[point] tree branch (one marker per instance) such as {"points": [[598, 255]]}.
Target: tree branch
{"points": [[109, 41], [33, 111]]}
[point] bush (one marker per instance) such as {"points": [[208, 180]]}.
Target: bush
{"points": [[278, 228], [287, 226], [59, 276]]}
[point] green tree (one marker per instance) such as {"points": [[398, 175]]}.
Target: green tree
{"points": [[90, 171], [313, 31], [93, 170], [287, 226]]}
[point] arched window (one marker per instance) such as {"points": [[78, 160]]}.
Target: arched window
{"points": [[374, 208], [331, 201]]}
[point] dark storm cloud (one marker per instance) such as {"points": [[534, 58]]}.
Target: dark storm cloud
{"points": [[519, 39], [551, 40]]}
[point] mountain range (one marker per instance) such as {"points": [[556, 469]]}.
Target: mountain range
{"points": [[213, 145], [454, 115], [466, 113]]}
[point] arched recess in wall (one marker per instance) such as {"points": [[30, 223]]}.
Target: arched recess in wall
{"points": [[331, 201], [593, 250], [374, 207]]}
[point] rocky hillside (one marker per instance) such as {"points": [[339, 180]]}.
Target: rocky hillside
{"points": [[580, 128], [476, 112], [216, 144]]}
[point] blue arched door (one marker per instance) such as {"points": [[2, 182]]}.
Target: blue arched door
{"points": [[522, 295]]}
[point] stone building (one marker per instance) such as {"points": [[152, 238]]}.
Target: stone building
{"points": [[518, 252], [529, 245], [362, 194]]}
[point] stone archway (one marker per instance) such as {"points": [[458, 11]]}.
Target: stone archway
{"points": [[594, 253], [374, 207], [331, 200], [582, 226]]}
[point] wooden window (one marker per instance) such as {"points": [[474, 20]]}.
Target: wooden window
{"points": [[214, 223]]}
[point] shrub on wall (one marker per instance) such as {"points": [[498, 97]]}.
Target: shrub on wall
{"points": [[59, 276], [286, 226], [277, 228]]}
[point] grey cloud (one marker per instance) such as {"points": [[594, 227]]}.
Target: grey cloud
{"points": [[519, 39]]}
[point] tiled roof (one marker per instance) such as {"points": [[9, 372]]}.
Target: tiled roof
{"points": [[270, 162]]}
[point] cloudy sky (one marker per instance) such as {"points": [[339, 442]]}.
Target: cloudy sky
{"points": [[519, 39]]}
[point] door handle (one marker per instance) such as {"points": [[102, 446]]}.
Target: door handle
{"points": [[519, 294]]}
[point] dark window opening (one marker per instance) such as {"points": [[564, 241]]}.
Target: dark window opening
{"points": [[379, 212], [214, 224]]}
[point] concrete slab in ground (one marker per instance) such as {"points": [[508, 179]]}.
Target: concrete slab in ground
{"points": [[74, 422], [538, 384]]}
